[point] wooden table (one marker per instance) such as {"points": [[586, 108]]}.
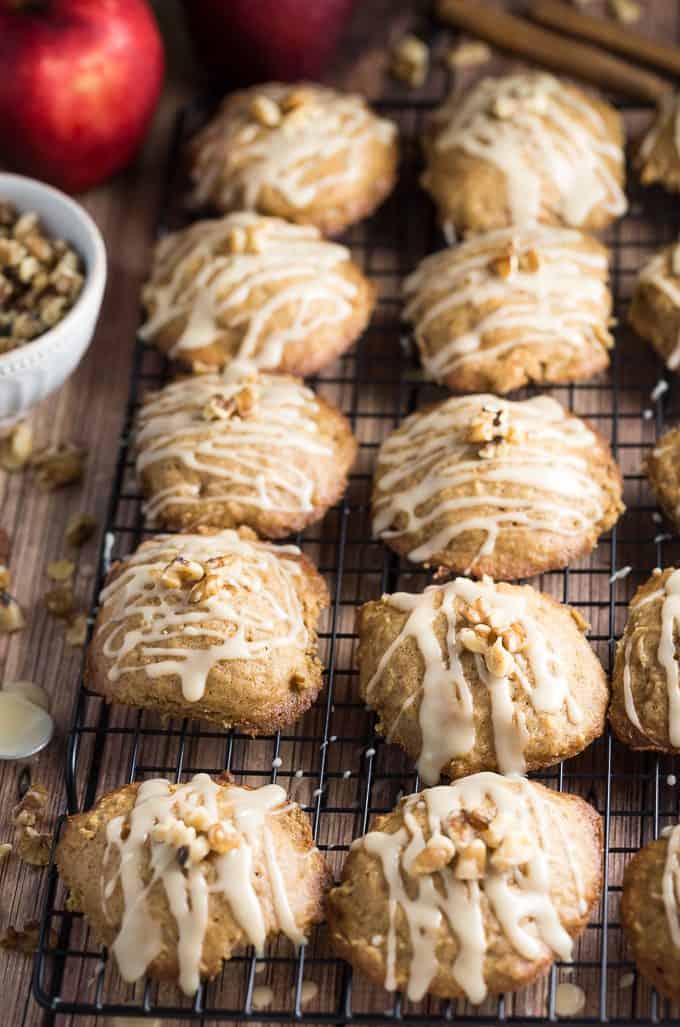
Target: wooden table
{"points": [[89, 409]]}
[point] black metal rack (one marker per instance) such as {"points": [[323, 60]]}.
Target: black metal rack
{"points": [[331, 761]]}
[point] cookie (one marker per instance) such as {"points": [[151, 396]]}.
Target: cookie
{"points": [[645, 706], [482, 485], [655, 307], [663, 470], [302, 152], [473, 676], [254, 289], [523, 148], [658, 155], [176, 878], [468, 890], [510, 308], [218, 627], [649, 912], [256, 450]]}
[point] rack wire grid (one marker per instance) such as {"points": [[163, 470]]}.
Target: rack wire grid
{"points": [[331, 761]]}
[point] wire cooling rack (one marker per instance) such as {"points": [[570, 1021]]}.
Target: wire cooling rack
{"points": [[331, 761]]}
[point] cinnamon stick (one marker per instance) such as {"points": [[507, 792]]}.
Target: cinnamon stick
{"points": [[610, 34], [580, 60]]}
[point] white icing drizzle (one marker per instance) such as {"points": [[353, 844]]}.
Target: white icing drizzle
{"points": [[551, 143], [552, 459], [446, 706], [235, 157], [242, 813], [293, 264], [520, 898], [564, 302], [259, 449], [256, 608], [658, 272], [670, 885], [669, 617]]}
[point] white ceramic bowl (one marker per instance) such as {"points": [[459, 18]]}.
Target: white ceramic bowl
{"points": [[31, 372]]}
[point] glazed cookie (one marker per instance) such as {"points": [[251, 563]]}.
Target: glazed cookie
{"points": [[176, 878], [510, 308], [649, 911], [260, 450], [663, 471], [645, 707], [218, 626], [482, 485], [468, 890], [655, 308], [302, 152], [472, 676], [523, 148], [658, 156], [254, 289]]}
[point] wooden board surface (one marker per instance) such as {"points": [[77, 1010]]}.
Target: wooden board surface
{"points": [[90, 409]]}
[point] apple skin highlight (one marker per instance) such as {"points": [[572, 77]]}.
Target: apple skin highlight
{"points": [[80, 83]]}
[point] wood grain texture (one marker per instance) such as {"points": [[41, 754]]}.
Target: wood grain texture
{"points": [[90, 409]]}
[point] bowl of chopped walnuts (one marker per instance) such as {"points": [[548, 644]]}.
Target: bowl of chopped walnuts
{"points": [[52, 278]]}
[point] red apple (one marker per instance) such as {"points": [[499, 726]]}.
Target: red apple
{"points": [[79, 82], [243, 41]]}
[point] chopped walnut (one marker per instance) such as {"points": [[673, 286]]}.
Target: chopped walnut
{"points": [[266, 111], [40, 278], [468, 53], [409, 61], [514, 638], [220, 840], [472, 641], [471, 861], [181, 572], [515, 850], [504, 265], [25, 940], [76, 631], [494, 834], [59, 465], [11, 615], [236, 240], [209, 586], [32, 845], [626, 11], [241, 404], [16, 447], [61, 570], [199, 819], [491, 423], [295, 99], [529, 261], [5, 578], [498, 660], [438, 853], [80, 528], [59, 600]]}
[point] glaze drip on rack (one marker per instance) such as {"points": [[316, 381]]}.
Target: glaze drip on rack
{"points": [[246, 604], [146, 844], [446, 701]]}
